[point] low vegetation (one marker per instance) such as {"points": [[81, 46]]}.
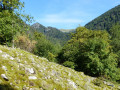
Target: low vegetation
{"points": [[22, 70]]}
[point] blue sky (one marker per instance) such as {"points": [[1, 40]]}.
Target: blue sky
{"points": [[67, 14]]}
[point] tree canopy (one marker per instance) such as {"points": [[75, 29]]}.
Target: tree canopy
{"points": [[91, 52], [11, 21]]}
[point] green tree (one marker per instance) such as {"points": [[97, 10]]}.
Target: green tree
{"points": [[11, 21], [10, 5], [90, 52], [45, 48], [115, 37]]}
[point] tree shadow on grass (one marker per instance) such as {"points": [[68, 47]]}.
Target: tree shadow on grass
{"points": [[6, 87]]}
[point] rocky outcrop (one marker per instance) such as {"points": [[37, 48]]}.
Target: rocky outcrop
{"points": [[4, 77], [32, 77]]}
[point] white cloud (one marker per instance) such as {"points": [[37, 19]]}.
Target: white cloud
{"points": [[59, 18]]}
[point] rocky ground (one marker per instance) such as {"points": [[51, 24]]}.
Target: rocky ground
{"points": [[21, 70]]}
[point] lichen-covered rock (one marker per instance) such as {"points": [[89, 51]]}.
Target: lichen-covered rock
{"points": [[72, 83], [32, 77], [30, 70], [4, 77], [5, 55], [11, 58], [0, 51]]}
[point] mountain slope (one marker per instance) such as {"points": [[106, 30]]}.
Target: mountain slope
{"points": [[38, 27], [52, 34], [21, 70], [106, 20], [67, 30]]}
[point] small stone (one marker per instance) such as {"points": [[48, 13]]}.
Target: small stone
{"points": [[21, 54], [36, 56], [4, 77], [34, 89], [104, 82], [5, 55], [40, 70], [11, 58], [31, 57], [4, 67], [25, 62], [31, 83], [88, 80], [69, 74], [11, 84], [0, 51], [86, 86], [16, 87], [118, 87], [111, 85], [72, 83], [32, 77], [44, 69], [25, 88], [38, 65], [18, 60], [30, 70], [41, 88]]}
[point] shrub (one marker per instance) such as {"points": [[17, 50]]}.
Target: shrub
{"points": [[69, 64]]}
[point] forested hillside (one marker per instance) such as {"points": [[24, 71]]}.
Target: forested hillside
{"points": [[52, 34], [106, 20]]}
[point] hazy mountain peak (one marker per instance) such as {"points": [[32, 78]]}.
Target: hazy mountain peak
{"points": [[37, 25]]}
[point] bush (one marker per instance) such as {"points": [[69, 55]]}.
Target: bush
{"points": [[51, 57], [69, 64], [23, 42], [90, 51]]}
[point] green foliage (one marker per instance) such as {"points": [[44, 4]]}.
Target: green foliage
{"points": [[106, 20], [69, 64], [44, 47], [99, 82], [91, 52], [10, 5], [115, 37], [6, 87], [10, 24], [11, 21], [51, 57]]}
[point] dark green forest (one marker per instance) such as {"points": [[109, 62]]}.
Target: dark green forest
{"points": [[106, 20], [93, 49]]}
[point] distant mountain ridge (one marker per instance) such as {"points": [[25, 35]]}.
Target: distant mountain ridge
{"points": [[67, 30], [106, 20], [52, 34]]}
